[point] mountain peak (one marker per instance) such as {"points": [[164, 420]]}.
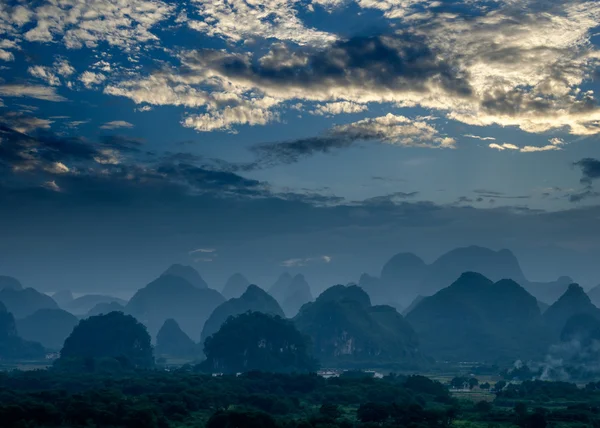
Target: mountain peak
{"points": [[10, 282], [188, 273], [235, 286]]}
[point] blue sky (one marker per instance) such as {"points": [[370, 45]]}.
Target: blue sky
{"points": [[338, 105]]}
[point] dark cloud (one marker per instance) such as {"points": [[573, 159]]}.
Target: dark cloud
{"points": [[590, 169], [379, 63]]}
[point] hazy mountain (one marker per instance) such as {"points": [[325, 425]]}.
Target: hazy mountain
{"points": [[63, 298], [573, 302], [297, 294], [188, 273], [495, 265], [405, 276], [11, 345], [82, 305], [347, 330], [235, 286], [22, 303], [50, 327], [475, 319], [582, 328], [280, 287], [257, 341], [594, 295], [254, 299], [173, 297], [413, 305], [10, 282], [173, 342], [549, 292], [105, 308]]}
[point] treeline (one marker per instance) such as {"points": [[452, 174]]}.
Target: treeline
{"points": [[183, 398]]}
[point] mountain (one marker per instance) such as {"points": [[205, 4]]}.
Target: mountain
{"points": [[22, 303], [173, 342], [413, 305], [173, 297], [10, 282], [11, 345], [235, 286], [188, 273], [297, 294], [549, 292], [594, 295], [495, 265], [573, 302], [105, 308], [63, 298], [257, 341], [405, 275], [50, 327], [475, 319], [254, 299], [280, 287], [82, 305], [346, 330]]}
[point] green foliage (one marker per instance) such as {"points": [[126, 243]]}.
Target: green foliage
{"points": [[347, 331], [475, 319], [114, 335], [257, 341], [254, 299]]}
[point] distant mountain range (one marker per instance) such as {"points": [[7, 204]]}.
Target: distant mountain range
{"points": [[406, 276]]}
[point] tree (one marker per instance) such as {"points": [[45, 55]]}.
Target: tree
{"points": [[373, 412], [473, 382], [257, 341], [237, 419], [499, 386], [113, 335]]}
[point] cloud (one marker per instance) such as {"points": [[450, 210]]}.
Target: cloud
{"points": [[24, 123], [203, 250], [238, 21], [299, 262], [332, 109], [116, 124], [77, 24], [590, 169], [388, 129], [51, 185], [477, 137], [32, 91], [91, 79], [503, 146], [45, 74]]}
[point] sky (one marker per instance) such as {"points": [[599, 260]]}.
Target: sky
{"points": [[317, 136]]}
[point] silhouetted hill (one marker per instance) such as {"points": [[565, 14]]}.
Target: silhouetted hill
{"points": [[347, 330], [63, 298], [105, 308], [173, 342], [549, 292], [11, 345], [495, 265], [10, 282], [279, 288], [573, 302], [254, 299], [405, 276], [188, 273], [582, 328], [297, 294], [50, 327], [257, 341], [235, 286], [173, 297], [82, 305], [22, 303], [475, 319]]}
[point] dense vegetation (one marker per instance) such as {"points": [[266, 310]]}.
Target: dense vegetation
{"points": [[186, 398], [257, 341]]}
